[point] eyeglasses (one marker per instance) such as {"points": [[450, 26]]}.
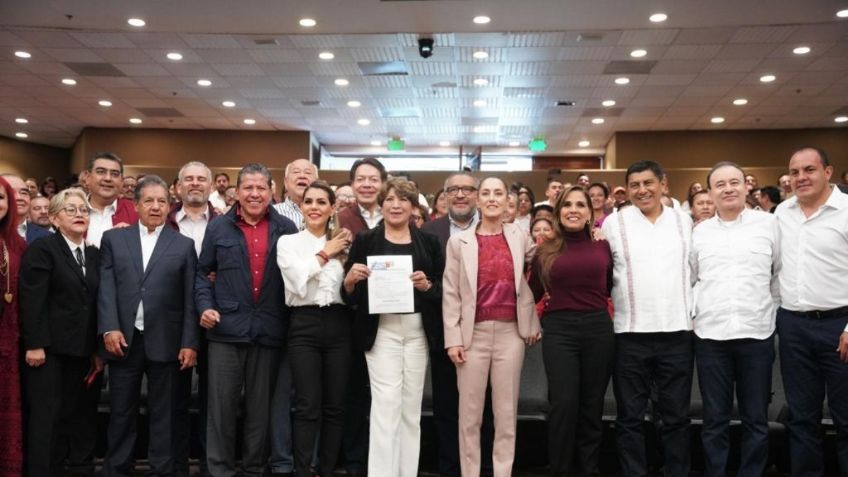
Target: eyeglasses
{"points": [[466, 190], [73, 211]]}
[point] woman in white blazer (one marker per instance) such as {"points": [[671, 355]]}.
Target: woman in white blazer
{"points": [[489, 315]]}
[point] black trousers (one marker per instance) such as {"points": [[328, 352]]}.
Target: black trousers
{"points": [[578, 352], [62, 416], [124, 394], [319, 347], [644, 361], [357, 410], [182, 425]]}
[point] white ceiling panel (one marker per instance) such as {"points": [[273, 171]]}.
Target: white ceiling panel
{"points": [[275, 56], [763, 34], [746, 51], [647, 37], [691, 52], [210, 41], [103, 40], [76, 55]]}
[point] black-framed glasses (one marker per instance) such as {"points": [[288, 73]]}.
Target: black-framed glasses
{"points": [[466, 190]]}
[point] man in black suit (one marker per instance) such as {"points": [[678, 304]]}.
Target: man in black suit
{"points": [[149, 326]]}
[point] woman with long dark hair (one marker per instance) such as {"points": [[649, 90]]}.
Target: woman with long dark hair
{"points": [[489, 315], [58, 288], [11, 249], [311, 263], [576, 272]]}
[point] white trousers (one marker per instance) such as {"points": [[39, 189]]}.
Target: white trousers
{"points": [[397, 364]]}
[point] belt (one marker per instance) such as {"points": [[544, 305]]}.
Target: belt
{"points": [[821, 314]]}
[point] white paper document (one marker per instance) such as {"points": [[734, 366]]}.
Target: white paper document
{"points": [[389, 286]]}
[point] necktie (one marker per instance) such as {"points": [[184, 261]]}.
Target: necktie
{"points": [[80, 259]]}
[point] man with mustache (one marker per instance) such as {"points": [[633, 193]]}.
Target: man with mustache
{"points": [[109, 210]]}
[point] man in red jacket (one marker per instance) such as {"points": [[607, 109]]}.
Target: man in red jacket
{"points": [[108, 209]]}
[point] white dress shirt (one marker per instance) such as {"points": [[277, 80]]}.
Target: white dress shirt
{"points": [[218, 201], [306, 281], [99, 222], [371, 218], [814, 254], [194, 229], [291, 211], [652, 289], [148, 243], [74, 247], [733, 265]]}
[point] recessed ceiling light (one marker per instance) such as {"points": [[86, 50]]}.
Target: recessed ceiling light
{"points": [[481, 20], [597, 120], [717, 120], [801, 50], [22, 135], [841, 119], [622, 80], [21, 120], [341, 82], [135, 121], [842, 13], [307, 22], [658, 17], [481, 81], [480, 55], [444, 143], [740, 101], [249, 121], [767, 78], [326, 55], [228, 104], [354, 104], [479, 103], [363, 122], [69, 81], [136, 22], [583, 143], [174, 56], [105, 103], [376, 143], [638, 53], [23, 54], [514, 143], [204, 82], [608, 103]]}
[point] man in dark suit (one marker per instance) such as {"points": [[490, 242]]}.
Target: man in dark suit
{"points": [[246, 320], [366, 178], [149, 326], [461, 194]]}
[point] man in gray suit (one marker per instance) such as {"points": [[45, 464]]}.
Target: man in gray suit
{"points": [[149, 325]]}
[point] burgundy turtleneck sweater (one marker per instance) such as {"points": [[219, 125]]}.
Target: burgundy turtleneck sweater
{"points": [[580, 277]]}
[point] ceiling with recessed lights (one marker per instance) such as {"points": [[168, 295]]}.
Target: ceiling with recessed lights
{"points": [[353, 74]]}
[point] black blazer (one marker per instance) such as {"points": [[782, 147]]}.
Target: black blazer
{"points": [[171, 321], [427, 257], [441, 229], [58, 303]]}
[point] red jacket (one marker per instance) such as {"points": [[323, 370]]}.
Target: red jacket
{"points": [[124, 212]]}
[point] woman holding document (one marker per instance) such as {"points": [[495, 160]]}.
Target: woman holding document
{"points": [[393, 279], [489, 315]]}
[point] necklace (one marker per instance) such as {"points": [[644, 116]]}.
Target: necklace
{"points": [[5, 267]]}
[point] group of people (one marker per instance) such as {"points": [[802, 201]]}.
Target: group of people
{"points": [[269, 303]]}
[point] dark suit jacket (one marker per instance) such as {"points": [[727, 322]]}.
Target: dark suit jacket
{"points": [[441, 229], [171, 321], [35, 232], [58, 302], [426, 257]]}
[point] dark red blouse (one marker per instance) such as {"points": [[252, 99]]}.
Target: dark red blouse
{"points": [[495, 280], [581, 277]]}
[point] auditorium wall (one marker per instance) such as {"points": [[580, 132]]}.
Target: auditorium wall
{"points": [[34, 160]]}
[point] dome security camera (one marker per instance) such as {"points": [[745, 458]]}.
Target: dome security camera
{"points": [[425, 47]]}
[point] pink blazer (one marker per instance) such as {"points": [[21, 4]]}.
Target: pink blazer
{"points": [[459, 285]]}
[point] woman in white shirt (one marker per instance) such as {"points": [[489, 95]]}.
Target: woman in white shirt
{"points": [[319, 338]]}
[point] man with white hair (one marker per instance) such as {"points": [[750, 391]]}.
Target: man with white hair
{"points": [[299, 174]]}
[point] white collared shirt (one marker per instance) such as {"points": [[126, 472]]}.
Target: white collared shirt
{"points": [[371, 218], [22, 229], [814, 254], [194, 229], [733, 265], [291, 211], [74, 248], [306, 281], [218, 200], [148, 243], [652, 289], [99, 222]]}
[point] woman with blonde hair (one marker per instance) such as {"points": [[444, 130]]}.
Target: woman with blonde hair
{"points": [[489, 316]]}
